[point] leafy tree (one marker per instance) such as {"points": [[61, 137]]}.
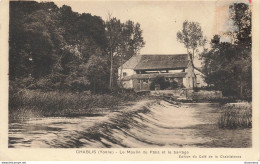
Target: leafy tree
{"points": [[44, 41], [67, 23], [97, 71], [215, 65], [132, 42], [113, 32], [124, 41], [36, 39], [19, 48], [228, 66], [56, 48], [191, 36], [240, 15]]}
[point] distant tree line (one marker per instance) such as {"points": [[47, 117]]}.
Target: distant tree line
{"points": [[228, 65], [52, 48]]}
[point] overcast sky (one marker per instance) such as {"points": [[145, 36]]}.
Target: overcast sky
{"points": [[160, 21]]}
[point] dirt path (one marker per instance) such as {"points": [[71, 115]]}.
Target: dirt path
{"points": [[147, 123]]}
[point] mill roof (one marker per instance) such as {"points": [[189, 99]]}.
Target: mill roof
{"points": [[132, 62], [160, 61]]}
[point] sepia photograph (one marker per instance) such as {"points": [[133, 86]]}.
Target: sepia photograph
{"points": [[130, 74], [148, 80]]}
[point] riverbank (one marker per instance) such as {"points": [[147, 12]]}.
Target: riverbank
{"points": [[26, 104]]}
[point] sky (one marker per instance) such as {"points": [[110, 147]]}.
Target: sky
{"points": [[160, 21]]}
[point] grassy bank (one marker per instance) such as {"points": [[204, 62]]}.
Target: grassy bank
{"points": [[31, 103], [236, 116]]}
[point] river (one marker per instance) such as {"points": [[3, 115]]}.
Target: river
{"points": [[147, 123]]}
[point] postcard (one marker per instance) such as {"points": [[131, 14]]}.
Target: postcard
{"points": [[129, 80]]}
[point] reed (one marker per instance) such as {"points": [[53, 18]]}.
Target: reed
{"points": [[236, 116], [32, 103]]}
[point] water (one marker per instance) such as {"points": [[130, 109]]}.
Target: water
{"points": [[146, 124]]}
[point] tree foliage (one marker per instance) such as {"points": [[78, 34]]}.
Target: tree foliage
{"points": [[55, 48], [192, 37], [124, 41], [97, 71], [228, 66], [240, 15], [50, 48]]}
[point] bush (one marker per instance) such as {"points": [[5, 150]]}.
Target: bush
{"points": [[236, 116]]}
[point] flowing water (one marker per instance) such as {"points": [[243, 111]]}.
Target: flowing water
{"points": [[148, 123]]}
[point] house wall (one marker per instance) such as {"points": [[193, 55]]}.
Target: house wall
{"points": [[140, 85], [128, 72], [190, 77], [200, 80]]}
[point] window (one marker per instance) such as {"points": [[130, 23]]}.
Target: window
{"points": [[124, 74]]}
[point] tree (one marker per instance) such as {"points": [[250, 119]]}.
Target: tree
{"points": [[124, 41], [216, 65], [51, 44], [191, 36], [132, 42], [113, 32], [240, 15], [228, 66], [97, 70], [57, 48], [32, 36]]}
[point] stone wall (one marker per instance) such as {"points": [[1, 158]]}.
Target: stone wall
{"points": [[203, 95], [140, 85], [177, 93]]}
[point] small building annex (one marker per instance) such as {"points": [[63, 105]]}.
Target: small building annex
{"points": [[138, 72]]}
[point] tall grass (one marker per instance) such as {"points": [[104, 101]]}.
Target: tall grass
{"points": [[236, 116], [31, 103]]}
